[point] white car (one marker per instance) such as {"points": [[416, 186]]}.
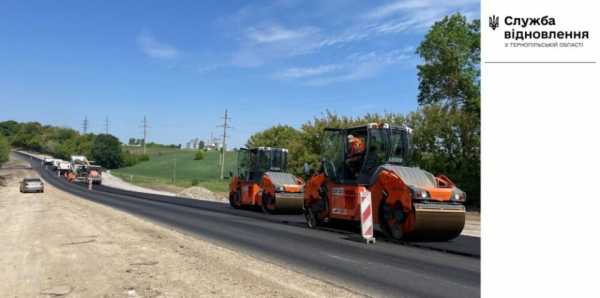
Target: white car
{"points": [[31, 185], [47, 160]]}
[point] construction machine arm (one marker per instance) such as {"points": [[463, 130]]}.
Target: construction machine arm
{"points": [[311, 191]]}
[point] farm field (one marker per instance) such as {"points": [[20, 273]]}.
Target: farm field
{"points": [[159, 170]]}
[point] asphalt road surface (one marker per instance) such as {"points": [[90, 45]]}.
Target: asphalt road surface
{"points": [[449, 269]]}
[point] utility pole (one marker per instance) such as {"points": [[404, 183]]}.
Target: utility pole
{"points": [[145, 126], [86, 123], [174, 165], [216, 142], [106, 123], [225, 127]]}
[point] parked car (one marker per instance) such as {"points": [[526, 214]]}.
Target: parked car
{"points": [[48, 160], [32, 185]]}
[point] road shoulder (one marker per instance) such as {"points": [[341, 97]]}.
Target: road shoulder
{"points": [[57, 243]]}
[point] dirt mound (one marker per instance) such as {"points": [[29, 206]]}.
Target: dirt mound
{"points": [[201, 193]]}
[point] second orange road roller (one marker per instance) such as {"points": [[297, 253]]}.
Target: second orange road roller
{"points": [[408, 203], [263, 180]]}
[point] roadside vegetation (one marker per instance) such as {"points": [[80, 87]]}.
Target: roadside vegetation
{"points": [[4, 150]]}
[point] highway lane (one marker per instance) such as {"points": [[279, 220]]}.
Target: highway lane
{"points": [[383, 269], [463, 245]]}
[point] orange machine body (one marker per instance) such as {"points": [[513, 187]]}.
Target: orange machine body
{"points": [[420, 206], [262, 181]]}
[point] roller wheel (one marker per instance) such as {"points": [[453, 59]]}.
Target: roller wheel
{"points": [[318, 218], [267, 208], [390, 227], [312, 222], [235, 201]]}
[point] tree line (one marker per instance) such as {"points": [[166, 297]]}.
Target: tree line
{"points": [[63, 142]]}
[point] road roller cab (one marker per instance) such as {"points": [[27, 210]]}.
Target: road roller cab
{"points": [[407, 202], [262, 180]]}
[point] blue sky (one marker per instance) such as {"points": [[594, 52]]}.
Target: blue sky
{"points": [[182, 63]]}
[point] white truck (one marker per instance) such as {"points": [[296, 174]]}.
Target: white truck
{"points": [[55, 163], [64, 167], [47, 160], [79, 166], [94, 173], [84, 171]]}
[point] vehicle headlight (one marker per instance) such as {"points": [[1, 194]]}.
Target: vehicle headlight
{"points": [[422, 194], [459, 196]]}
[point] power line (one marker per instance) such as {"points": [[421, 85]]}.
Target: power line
{"points": [[106, 125], [224, 135], [85, 124], [145, 126]]}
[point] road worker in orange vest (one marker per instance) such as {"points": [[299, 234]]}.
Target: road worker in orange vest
{"points": [[354, 157]]}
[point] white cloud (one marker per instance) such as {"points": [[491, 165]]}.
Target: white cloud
{"points": [[387, 57], [273, 41], [155, 49], [393, 8], [275, 33], [299, 72], [361, 71], [264, 39], [363, 65], [415, 6]]}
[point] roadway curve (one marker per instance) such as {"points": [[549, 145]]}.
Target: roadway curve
{"points": [[381, 269]]}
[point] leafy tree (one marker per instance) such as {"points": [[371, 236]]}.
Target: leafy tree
{"points": [[447, 141], [201, 145], [4, 150], [29, 137], [131, 141], [278, 136], [131, 159], [451, 73], [106, 151], [9, 128], [447, 134], [83, 145]]}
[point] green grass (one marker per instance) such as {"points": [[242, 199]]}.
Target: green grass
{"points": [[159, 169]]}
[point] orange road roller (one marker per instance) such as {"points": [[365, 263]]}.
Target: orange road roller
{"points": [[262, 180], [408, 203]]}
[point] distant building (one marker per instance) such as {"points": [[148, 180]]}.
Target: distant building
{"points": [[211, 146]]}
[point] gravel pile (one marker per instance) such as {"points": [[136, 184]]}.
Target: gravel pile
{"points": [[201, 193]]}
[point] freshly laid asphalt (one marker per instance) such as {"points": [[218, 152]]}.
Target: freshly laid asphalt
{"points": [[446, 269]]}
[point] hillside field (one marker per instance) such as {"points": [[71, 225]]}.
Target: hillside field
{"points": [[159, 169]]}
